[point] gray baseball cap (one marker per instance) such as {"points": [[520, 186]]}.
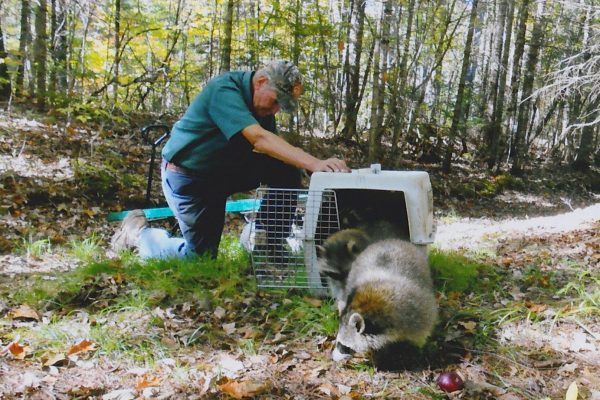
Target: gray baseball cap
{"points": [[286, 79]]}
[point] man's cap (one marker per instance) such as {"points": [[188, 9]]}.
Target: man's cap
{"points": [[286, 79]]}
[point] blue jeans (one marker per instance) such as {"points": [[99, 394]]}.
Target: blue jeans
{"points": [[198, 203]]}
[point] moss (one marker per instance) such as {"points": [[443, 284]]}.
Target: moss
{"points": [[453, 272]]}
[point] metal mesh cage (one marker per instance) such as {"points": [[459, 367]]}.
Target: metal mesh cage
{"points": [[281, 248]]}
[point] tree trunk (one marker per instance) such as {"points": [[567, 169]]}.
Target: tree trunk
{"points": [[226, 45], [459, 106], [398, 97], [354, 77], [380, 77], [494, 128], [537, 37], [60, 47], [293, 117], [24, 43], [117, 58], [583, 158], [40, 54], [499, 144], [516, 70], [5, 86], [329, 95], [53, 27], [583, 155]]}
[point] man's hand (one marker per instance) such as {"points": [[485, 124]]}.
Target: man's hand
{"points": [[329, 165]]}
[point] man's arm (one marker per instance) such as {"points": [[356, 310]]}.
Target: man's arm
{"points": [[272, 145]]}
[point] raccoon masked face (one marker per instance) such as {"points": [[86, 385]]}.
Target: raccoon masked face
{"points": [[366, 323], [359, 334]]}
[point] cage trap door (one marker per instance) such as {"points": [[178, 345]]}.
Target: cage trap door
{"points": [[283, 234]]}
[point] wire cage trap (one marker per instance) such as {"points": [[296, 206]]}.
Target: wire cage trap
{"points": [[276, 236]]}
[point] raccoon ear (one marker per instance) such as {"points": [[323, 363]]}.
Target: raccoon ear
{"points": [[357, 322], [353, 247], [320, 251]]}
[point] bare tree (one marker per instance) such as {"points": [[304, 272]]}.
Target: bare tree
{"points": [[578, 78], [5, 87]]}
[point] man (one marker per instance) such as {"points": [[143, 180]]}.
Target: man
{"points": [[225, 143]]}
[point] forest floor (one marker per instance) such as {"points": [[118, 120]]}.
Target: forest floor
{"points": [[534, 333]]}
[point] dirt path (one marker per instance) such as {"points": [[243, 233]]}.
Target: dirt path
{"points": [[484, 233]]}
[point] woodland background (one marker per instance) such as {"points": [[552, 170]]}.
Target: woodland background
{"points": [[505, 82]]}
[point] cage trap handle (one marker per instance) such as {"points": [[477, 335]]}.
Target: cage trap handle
{"points": [[166, 130]]}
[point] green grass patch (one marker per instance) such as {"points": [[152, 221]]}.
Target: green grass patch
{"points": [[87, 250], [453, 272], [583, 293], [112, 302], [169, 280], [36, 248], [306, 316]]}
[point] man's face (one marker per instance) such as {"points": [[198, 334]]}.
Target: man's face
{"points": [[265, 100]]}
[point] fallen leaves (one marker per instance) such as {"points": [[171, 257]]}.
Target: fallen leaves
{"points": [[244, 388], [572, 392], [54, 360], [147, 381], [82, 346], [229, 328], [16, 350], [23, 313]]}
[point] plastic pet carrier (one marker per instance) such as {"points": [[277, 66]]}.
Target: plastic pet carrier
{"points": [[283, 233]]}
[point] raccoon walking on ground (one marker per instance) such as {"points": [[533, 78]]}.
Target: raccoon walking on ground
{"points": [[386, 295]]}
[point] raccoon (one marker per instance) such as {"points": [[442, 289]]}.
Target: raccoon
{"points": [[387, 297], [335, 257]]}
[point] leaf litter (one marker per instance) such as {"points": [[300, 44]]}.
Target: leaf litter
{"points": [[541, 356]]}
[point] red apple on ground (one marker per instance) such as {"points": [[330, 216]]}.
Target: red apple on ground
{"points": [[450, 381]]}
